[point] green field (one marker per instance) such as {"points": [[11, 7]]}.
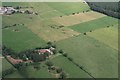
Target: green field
{"points": [[96, 51], [22, 39], [6, 65], [41, 73], [72, 70], [69, 8], [92, 54], [108, 36], [95, 24], [16, 74]]}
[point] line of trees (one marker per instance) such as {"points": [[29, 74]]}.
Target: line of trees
{"points": [[7, 72], [71, 59]]}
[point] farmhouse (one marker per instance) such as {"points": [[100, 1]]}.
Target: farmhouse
{"points": [[7, 10], [42, 51], [2, 10]]}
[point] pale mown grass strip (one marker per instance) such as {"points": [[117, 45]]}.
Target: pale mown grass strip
{"points": [[108, 36], [77, 18]]}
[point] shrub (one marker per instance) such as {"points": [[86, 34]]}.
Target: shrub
{"points": [[49, 63], [84, 33], [65, 54], [59, 70], [71, 59], [61, 51]]}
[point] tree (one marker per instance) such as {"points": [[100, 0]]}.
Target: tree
{"points": [[49, 43], [71, 59], [54, 51], [22, 69], [18, 7], [37, 58], [46, 54], [90, 30], [36, 66], [59, 70], [65, 54], [54, 46], [63, 75], [84, 33], [7, 72], [73, 13], [61, 51], [49, 63]]}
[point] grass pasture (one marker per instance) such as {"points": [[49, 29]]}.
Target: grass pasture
{"points": [[44, 10], [78, 18], [96, 52], [41, 73], [69, 8], [16, 74], [6, 65], [98, 59], [21, 39], [108, 36], [71, 70], [95, 24]]}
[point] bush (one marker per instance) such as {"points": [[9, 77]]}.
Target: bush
{"points": [[71, 59], [61, 51], [84, 33], [54, 51], [65, 54], [49, 63], [62, 75], [7, 72], [73, 13], [90, 30], [59, 70]]}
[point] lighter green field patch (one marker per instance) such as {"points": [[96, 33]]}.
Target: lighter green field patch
{"points": [[109, 36]]}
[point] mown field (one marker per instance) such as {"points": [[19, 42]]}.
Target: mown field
{"points": [[72, 70], [97, 58], [22, 39], [96, 51], [108, 36]]}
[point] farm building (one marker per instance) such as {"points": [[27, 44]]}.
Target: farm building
{"points": [[42, 51], [2, 10], [7, 10]]}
